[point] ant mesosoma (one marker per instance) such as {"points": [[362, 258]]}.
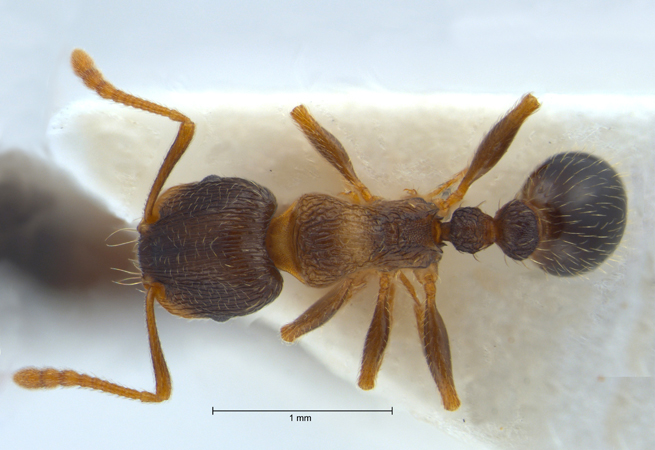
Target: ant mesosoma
{"points": [[214, 249]]}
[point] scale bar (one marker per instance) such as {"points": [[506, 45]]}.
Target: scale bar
{"points": [[214, 410]]}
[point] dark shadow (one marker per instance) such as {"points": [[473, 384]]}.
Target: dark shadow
{"points": [[52, 230]]}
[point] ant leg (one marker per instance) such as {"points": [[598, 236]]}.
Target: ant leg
{"points": [[408, 285], [378, 334], [32, 378], [492, 148], [85, 68], [447, 185], [330, 148], [432, 331], [324, 309]]}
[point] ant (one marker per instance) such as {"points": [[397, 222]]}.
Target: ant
{"points": [[214, 249]]}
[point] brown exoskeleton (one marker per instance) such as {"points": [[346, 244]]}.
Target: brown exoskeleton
{"points": [[214, 249]]}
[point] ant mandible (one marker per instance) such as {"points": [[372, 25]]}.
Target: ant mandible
{"points": [[214, 249]]}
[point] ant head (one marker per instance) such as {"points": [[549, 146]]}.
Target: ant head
{"points": [[581, 206]]}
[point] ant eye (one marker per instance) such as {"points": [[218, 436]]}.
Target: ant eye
{"points": [[582, 207]]}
